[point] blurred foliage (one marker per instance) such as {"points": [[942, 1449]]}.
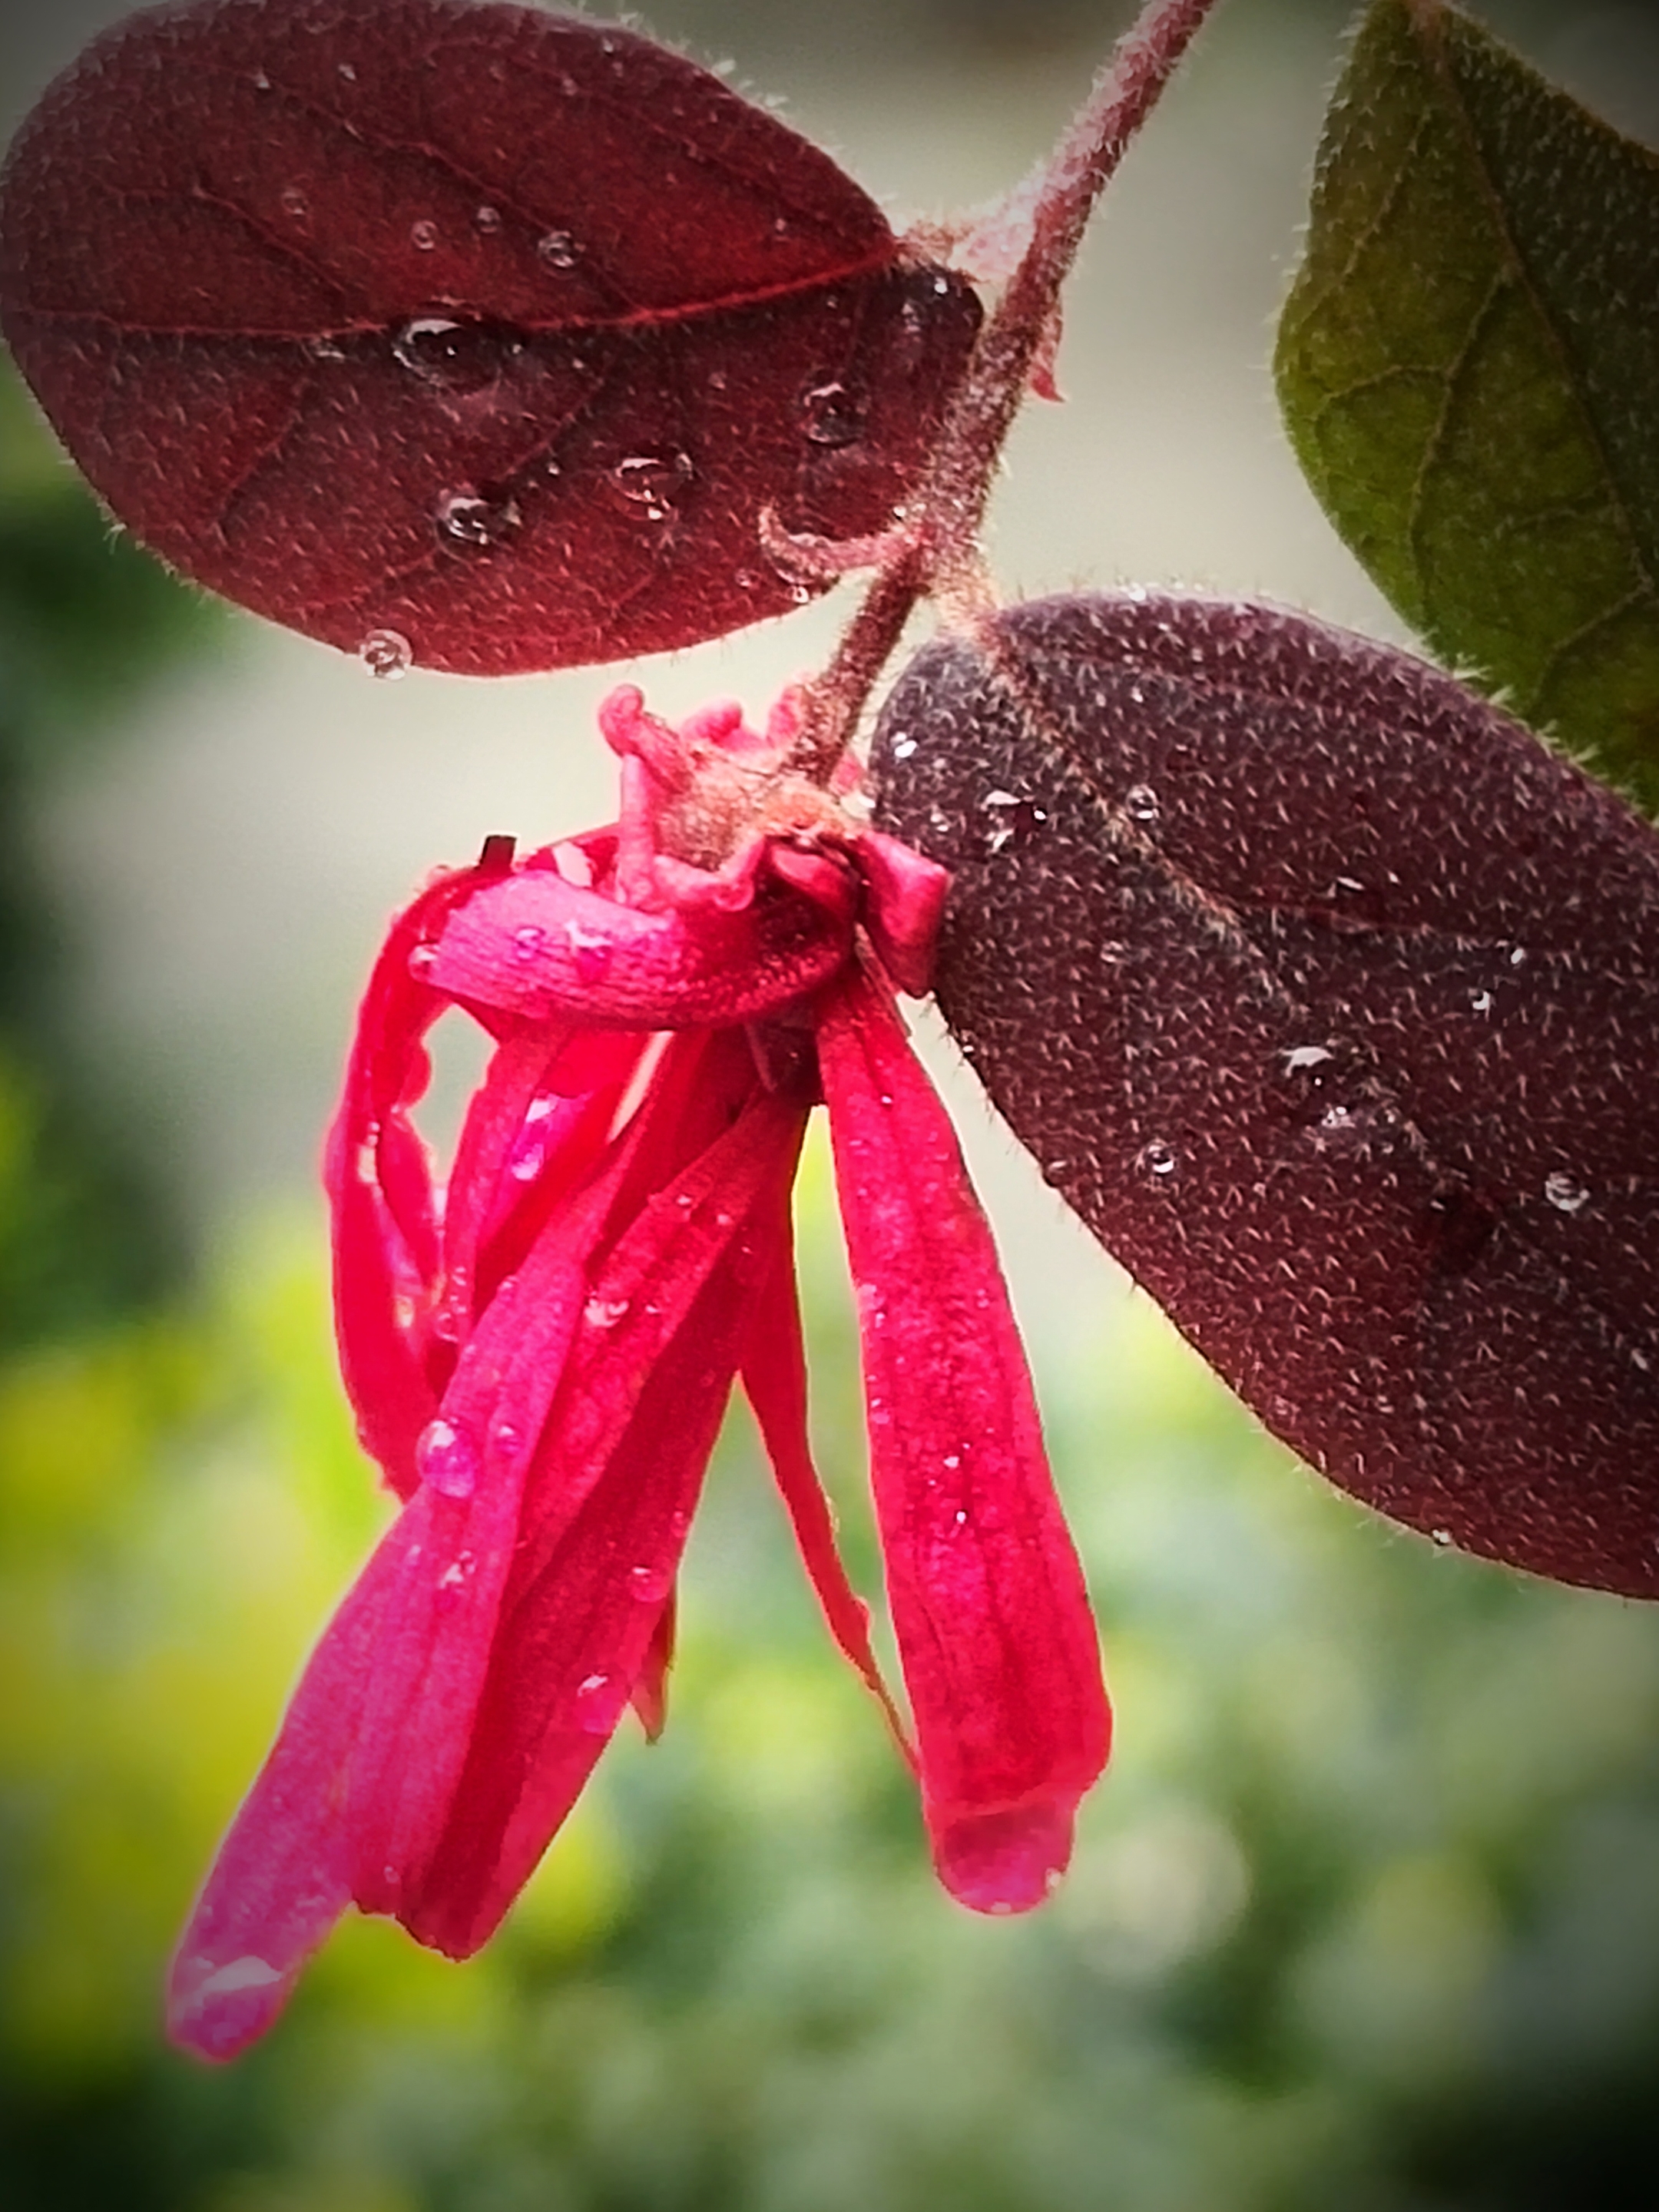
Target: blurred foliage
{"points": [[85, 619], [1365, 1913]]}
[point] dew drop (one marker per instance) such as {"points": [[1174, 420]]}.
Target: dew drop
{"points": [[652, 485], [446, 1459], [1441, 1536], [902, 748], [454, 356], [1482, 1001], [386, 654], [528, 941], [605, 1313], [468, 520], [261, 82], [591, 951], [344, 70], [422, 960], [295, 205], [1564, 1194], [1140, 802], [487, 219], [650, 1584], [832, 414], [599, 1701], [1157, 1158], [556, 249], [507, 1440], [1303, 1056], [423, 235]]}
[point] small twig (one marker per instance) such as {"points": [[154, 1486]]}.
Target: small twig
{"points": [[940, 558]]}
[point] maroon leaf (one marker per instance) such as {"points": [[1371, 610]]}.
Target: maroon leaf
{"points": [[1329, 998], [466, 327]]}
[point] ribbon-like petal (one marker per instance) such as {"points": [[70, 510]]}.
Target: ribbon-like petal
{"points": [[996, 1636]]}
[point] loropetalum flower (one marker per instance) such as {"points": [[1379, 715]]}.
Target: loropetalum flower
{"points": [[539, 1354]]}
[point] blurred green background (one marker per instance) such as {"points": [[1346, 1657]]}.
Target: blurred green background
{"points": [[1366, 1912]]}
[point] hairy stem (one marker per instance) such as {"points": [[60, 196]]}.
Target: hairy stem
{"points": [[940, 556]]}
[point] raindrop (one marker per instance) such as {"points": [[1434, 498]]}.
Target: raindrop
{"points": [[458, 1570], [386, 654], [591, 951], [487, 219], [604, 1313], [902, 748], [652, 484], [1482, 1001], [833, 416], [1302, 1056], [454, 356], [1441, 1536], [1158, 1158], [1140, 802], [556, 249], [467, 519], [323, 347], [423, 959], [423, 235], [953, 1459], [345, 69], [1518, 956], [295, 205], [650, 1584], [261, 82], [507, 1440], [446, 1459], [1564, 1194], [528, 941], [599, 1701]]}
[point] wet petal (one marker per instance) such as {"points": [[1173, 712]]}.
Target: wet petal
{"points": [[615, 1483], [281, 1878], [775, 1381], [994, 1632], [538, 947]]}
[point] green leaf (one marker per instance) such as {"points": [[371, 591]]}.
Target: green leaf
{"points": [[1468, 366]]}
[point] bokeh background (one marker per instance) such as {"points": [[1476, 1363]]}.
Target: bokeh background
{"points": [[1367, 1911]]}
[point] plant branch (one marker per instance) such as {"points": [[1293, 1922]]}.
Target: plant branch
{"points": [[940, 555]]}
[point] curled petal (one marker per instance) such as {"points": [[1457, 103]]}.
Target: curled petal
{"points": [[905, 895], [994, 1632], [538, 946]]}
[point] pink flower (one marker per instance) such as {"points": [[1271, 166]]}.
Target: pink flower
{"points": [[539, 1356]]}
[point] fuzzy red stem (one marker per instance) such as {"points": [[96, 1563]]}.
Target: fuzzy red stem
{"points": [[942, 558]]}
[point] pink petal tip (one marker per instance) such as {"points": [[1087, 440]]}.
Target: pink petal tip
{"points": [[1008, 1861]]}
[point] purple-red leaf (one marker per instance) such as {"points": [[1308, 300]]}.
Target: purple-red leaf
{"points": [[1329, 998], [462, 332]]}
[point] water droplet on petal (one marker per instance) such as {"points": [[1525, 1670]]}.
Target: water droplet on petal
{"points": [[386, 654], [1157, 1158], [832, 414], [423, 959], [528, 941], [556, 249], [1563, 1192], [650, 1584], [468, 520], [1441, 1536], [1140, 803], [345, 70], [446, 1459], [487, 219], [1482, 1001], [592, 952], [605, 1313], [295, 205], [599, 1701], [652, 484], [261, 82], [1006, 1861], [423, 235], [506, 1441]]}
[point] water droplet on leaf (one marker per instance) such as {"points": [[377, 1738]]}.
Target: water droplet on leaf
{"points": [[423, 235], [1157, 1158], [453, 356], [295, 205], [469, 520], [1140, 803], [487, 219], [1563, 1192], [832, 414], [556, 249], [652, 484], [386, 654]]}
